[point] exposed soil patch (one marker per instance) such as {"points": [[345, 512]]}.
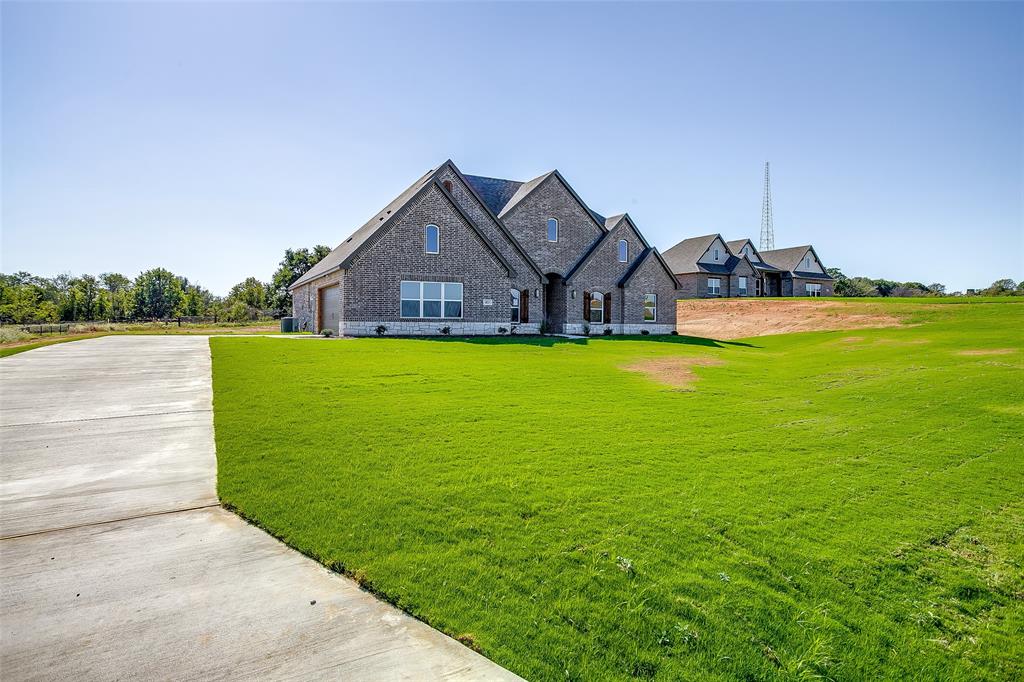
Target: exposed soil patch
{"points": [[675, 372], [990, 351], [740, 318]]}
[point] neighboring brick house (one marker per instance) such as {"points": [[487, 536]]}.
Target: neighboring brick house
{"points": [[480, 255], [706, 268], [803, 273], [710, 267], [768, 280]]}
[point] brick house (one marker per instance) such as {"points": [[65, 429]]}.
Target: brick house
{"points": [[706, 268], [479, 255], [710, 267]]}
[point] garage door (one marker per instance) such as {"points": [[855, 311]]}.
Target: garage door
{"points": [[330, 309]]}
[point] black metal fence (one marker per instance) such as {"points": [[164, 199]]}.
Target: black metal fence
{"points": [[44, 328]]}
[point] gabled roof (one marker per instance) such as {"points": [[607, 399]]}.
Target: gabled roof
{"points": [[737, 245], [609, 225], [788, 260], [348, 247], [644, 255], [343, 254], [494, 192], [496, 187], [524, 191], [529, 187], [682, 257]]}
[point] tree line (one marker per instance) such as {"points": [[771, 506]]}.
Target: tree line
{"points": [[868, 287], [153, 294], [161, 294]]}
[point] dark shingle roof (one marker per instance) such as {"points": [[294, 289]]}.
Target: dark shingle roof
{"points": [[495, 192], [789, 259], [522, 191], [644, 255], [683, 256], [336, 257]]}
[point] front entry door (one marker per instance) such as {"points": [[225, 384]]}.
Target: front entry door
{"points": [[329, 309]]}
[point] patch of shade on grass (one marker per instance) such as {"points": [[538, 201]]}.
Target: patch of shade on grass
{"points": [[813, 507]]}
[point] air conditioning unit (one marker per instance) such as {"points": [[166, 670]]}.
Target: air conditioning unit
{"points": [[289, 324]]}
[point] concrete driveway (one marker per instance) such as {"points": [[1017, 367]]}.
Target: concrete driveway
{"points": [[116, 562]]}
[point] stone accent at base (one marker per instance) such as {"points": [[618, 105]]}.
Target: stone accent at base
{"points": [[619, 329], [434, 327]]}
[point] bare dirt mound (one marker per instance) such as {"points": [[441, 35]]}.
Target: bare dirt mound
{"points": [[675, 372], [738, 318]]}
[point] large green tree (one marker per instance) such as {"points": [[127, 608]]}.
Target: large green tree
{"points": [[295, 264], [119, 291], [157, 293], [250, 292]]}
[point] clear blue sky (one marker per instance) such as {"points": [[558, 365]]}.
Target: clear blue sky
{"points": [[207, 138]]}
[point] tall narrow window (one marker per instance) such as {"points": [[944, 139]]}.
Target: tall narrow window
{"points": [[515, 304], [597, 308], [552, 229], [651, 307], [623, 251], [716, 255], [432, 239], [743, 286], [807, 263], [447, 185]]}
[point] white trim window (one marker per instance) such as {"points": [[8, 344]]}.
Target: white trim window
{"points": [[812, 289], [597, 308], [743, 286], [650, 307], [716, 255], [714, 286], [807, 262], [623, 251], [552, 229], [431, 299], [515, 303], [432, 239]]}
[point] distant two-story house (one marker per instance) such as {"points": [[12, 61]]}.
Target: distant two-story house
{"points": [[477, 255], [710, 267]]}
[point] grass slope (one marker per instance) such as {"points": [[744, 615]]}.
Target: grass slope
{"points": [[842, 504]]}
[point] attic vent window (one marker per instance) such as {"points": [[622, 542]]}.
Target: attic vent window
{"points": [[447, 185], [716, 255]]}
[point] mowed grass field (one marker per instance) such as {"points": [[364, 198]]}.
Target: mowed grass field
{"points": [[833, 505]]}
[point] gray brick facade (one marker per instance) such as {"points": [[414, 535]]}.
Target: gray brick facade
{"points": [[372, 281], [488, 256], [797, 286], [649, 278], [577, 230]]}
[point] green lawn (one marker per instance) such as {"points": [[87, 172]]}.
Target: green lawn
{"points": [[844, 505]]}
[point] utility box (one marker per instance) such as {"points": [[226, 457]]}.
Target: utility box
{"points": [[288, 325]]}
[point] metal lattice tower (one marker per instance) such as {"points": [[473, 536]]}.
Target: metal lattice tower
{"points": [[767, 229]]}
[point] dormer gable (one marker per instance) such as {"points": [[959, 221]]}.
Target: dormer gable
{"points": [[717, 253]]}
